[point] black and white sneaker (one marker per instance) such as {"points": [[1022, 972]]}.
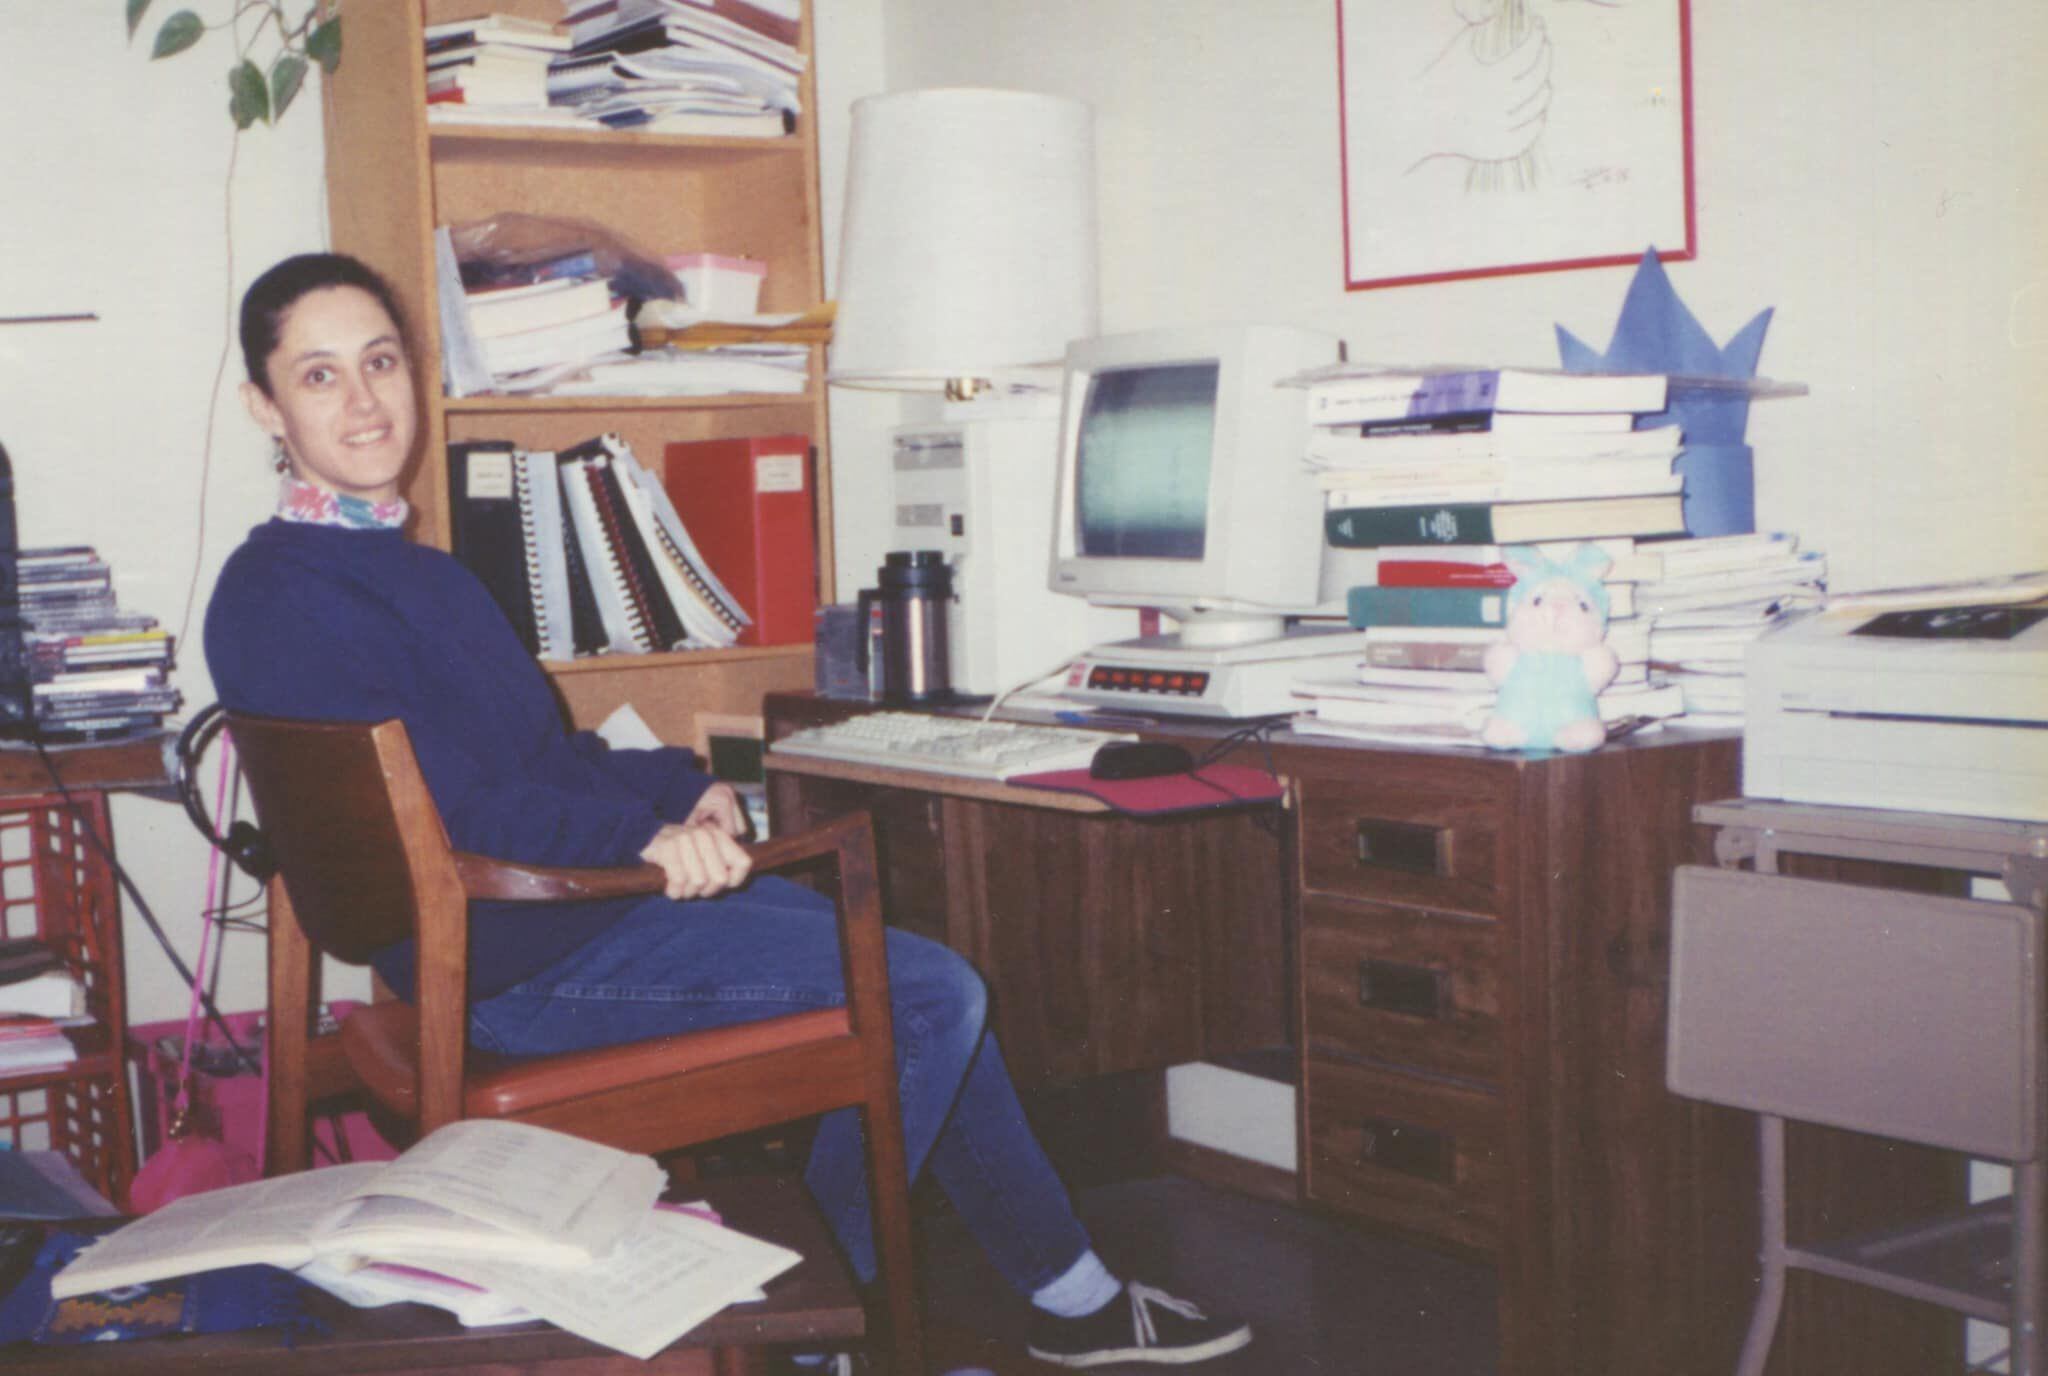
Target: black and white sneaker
{"points": [[1141, 1325]]}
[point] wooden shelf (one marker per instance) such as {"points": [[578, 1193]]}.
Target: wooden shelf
{"points": [[500, 404], [491, 140], [393, 178], [680, 659]]}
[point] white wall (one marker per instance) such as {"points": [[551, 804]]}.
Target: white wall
{"points": [[1873, 172], [118, 198]]}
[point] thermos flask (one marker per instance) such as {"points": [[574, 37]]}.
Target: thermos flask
{"points": [[910, 659]]}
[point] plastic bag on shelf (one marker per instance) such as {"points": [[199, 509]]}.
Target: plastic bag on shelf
{"points": [[513, 248]]}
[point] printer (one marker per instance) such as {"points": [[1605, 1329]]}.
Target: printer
{"points": [[1924, 709]]}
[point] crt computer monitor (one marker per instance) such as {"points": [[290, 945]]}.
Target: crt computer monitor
{"points": [[1182, 484]]}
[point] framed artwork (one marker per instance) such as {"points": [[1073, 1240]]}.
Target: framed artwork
{"points": [[1487, 137]]}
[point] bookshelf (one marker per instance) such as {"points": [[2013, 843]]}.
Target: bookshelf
{"points": [[391, 178]]}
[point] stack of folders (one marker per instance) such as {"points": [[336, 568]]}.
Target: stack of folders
{"points": [[584, 551], [1428, 619]]}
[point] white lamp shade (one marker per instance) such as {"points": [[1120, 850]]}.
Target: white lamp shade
{"points": [[968, 246]]}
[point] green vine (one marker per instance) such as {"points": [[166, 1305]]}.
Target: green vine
{"points": [[254, 94]]}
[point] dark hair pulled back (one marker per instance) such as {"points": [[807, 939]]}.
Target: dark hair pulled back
{"points": [[271, 297]]}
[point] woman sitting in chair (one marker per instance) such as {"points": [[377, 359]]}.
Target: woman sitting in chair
{"points": [[327, 612]]}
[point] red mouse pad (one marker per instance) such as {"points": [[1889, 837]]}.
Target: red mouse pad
{"points": [[1211, 786]]}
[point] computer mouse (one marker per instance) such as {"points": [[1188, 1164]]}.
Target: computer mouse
{"points": [[1139, 760]]}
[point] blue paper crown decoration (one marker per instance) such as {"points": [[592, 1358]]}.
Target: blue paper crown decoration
{"points": [[1655, 333]]}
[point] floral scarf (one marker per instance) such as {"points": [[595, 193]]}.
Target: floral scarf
{"points": [[309, 504]]}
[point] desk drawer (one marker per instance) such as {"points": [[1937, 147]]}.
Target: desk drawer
{"points": [[1403, 986], [1429, 836], [1422, 1155]]}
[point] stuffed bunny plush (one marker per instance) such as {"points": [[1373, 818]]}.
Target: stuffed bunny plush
{"points": [[1555, 660]]}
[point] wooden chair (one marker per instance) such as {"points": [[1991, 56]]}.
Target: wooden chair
{"points": [[363, 861]]}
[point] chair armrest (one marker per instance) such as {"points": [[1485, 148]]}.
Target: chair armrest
{"points": [[484, 877]]}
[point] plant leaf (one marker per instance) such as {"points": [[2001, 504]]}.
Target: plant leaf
{"points": [[287, 74], [323, 45], [135, 9], [179, 32], [248, 97]]}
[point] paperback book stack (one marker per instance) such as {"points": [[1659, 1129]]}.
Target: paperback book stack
{"points": [[584, 550], [1711, 599], [98, 671], [492, 69], [718, 68], [1497, 456], [1428, 618], [40, 997]]}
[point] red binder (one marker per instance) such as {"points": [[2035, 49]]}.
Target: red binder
{"points": [[747, 502]]}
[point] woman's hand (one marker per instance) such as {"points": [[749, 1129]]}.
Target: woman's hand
{"points": [[701, 856], [719, 807]]}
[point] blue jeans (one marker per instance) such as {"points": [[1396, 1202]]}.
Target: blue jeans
{"points": [[772, 948]]}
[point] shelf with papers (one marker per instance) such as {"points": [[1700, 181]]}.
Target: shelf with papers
{"points": [[492, 140], [492, 403], [394, 176]]}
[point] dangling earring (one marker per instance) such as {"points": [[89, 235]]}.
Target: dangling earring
{"points": [[279, 459]]}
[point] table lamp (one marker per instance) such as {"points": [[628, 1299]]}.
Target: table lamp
{"points": [[968, 254]]}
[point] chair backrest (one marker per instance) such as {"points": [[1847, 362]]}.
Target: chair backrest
{"points": [[349, 820]]}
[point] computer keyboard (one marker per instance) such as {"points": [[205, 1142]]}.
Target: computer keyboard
{"points": [[949, 745]]}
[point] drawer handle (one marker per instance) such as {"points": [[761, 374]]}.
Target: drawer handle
{"points": [[1415, 991], [1411, 846], [1411, 1150]]}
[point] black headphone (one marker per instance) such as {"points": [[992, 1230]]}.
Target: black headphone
{"points": [[243, 843]]}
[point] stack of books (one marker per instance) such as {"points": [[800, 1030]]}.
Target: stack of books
{"points": [[515, 322], [1490, 456], [492, 67], [98, 670], [40, 997], [547, 325], [1714, 596], [726, 68], [1428, 618], [584, 550]]}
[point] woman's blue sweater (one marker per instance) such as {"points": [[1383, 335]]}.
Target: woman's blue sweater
{"points": [[336, 624]]}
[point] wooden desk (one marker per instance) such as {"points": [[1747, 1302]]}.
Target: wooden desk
{"points": [[813, 1304], [1110, 943], [1468, 954]]}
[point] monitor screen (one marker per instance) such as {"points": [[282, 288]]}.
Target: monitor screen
{"points": [[1142, 460]]}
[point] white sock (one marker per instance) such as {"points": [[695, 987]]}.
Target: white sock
{"points": [[1083, 1288]]}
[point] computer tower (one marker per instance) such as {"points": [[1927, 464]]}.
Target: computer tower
{"points": [[980, 491]]}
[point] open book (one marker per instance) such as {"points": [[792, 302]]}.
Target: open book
{"points": [[480, 1187], [565, 1228]]}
